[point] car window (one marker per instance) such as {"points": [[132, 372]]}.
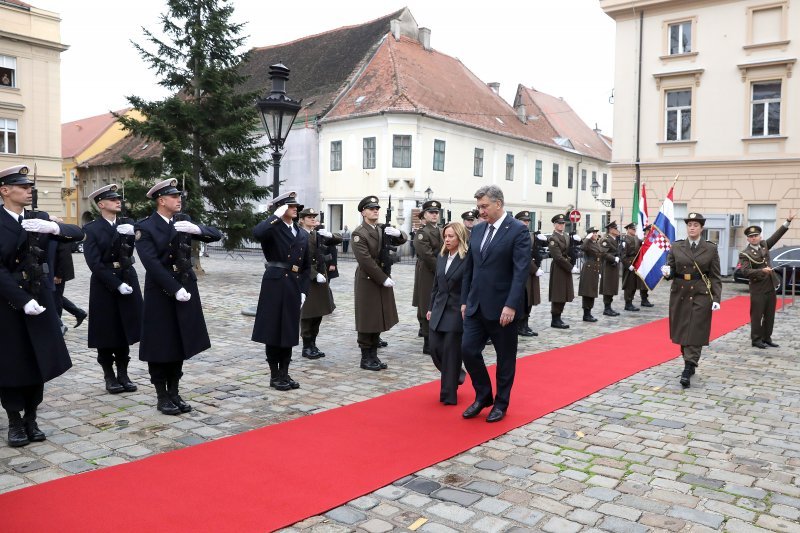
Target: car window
{"points": [[789, 255]]}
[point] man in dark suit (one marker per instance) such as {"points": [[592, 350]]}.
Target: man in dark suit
{"points": [[32, 351], [173, 326], [284, 287], [492, 298], [115, 299]]}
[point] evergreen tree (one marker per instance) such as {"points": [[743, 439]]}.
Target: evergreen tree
{"points": [[207, 127]]}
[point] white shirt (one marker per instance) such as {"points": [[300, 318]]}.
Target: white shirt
{"points": [[497, 224], [291, 227], [13, 214], [112, 222], [167, 220], [449, 261]]}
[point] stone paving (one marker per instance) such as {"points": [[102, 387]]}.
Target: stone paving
{"points": [[640, 455]]}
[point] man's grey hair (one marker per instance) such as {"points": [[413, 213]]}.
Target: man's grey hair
{"points": [[493, 192]]}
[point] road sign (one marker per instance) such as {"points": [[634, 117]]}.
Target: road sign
{"points": [[575, 216]]}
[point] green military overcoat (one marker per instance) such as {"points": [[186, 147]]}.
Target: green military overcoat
{"points": [[590, 273], [609, 281], [562, 288], [754, 259], [319, 301], [428, 245], [689, 298], [630, 281]]}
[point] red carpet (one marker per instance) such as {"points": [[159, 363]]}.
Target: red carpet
{"points": [[241, 483]]}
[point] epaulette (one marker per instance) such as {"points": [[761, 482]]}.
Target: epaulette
{"points": [[711, 242], [679, 240], [274, 220]]}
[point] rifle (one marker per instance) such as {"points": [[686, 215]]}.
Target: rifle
{"points": [[388, 255], [183, 241], [539, 252], [121, 250], [32, 257], [574, 251]]}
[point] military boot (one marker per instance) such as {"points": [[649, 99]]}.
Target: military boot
{"points": [[174, 395], [382, 343], [645, 301], [688, 372], [629, 306], [113, 385], [165, 404], [31, 427], [557, 323], [426, 347], [122, 375], [317, 351], [524, 330], [284, 368], [587, 315], [308, 351], [374, 352], [367, 362], [16, 430], [609, 312]]}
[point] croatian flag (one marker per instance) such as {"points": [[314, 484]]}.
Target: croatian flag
{"points": [[656, 245], [641, 216]]}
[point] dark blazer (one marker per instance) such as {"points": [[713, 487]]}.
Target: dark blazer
{"points": [[278, 316], [445, 303], [171, 330], [116, 319], [32, 350], [497, 277]]}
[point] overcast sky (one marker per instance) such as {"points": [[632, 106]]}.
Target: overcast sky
{"points": [[561, 47]]}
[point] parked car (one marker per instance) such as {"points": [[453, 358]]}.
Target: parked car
{"points": [[787, 257]]}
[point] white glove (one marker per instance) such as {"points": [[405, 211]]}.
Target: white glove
{"points": [[542, 237], [589, 235], [575, 270], [281, 210], [184, 226], [321, 278], [182, 295], [33, 308], [715, 306], [539, 273], [37, 225], [126, 289], [388, 283], [391, 232], [325, 233], [302, 299], [665, 270], [616, 260], [576, 238], [631, 268], [127, 229]]}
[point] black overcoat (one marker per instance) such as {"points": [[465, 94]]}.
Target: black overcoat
{"points": [[171, 330], [278, 315], [445, 304], [115, 319], [32, 350]]}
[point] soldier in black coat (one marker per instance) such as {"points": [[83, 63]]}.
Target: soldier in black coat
{"points": [[173, 327], [32, 351], [64, 271], [283, 288], [115, 299]]}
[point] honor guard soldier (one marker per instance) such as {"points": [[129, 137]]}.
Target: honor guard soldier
{"points": [[693, 267], [284, 287], [756, 265], [115, 299], [588, 285], [468, 218], [630, 281], [319, 302], [532, 292], [562, 289], [428, 244], [374, 296], [609, 280], [173, 326], [33, 350]]}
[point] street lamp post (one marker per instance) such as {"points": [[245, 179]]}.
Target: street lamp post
{"points": [[595, 187], [428, 193], [278, 112]]}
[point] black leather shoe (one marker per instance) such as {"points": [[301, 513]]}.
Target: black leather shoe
{"points": [[292, 383], [461, 377], [525, 331], [474, 410], [127, 384], [17, 436], [180, 404], [646, 303], [113, 386], [559, 324], [631, 307], [495, 415], [688, 372], [587, 317], [80, 318], [316, 351], [382, 343], [370, 364], [426, 347], [308, 353], [610, 312], [166, 406], [33, 432], [280, 384], [771, 344], [685, 382], [760, 344]]}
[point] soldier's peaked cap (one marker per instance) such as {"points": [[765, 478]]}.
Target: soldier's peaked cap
{"points": [[612, 225], [164, 188], [109, 192], [432, 205], [523, 215], [368, 202], [695, 217], [469, 215], [750, 231], [16, 175], [559, 219], [308, 212], [631, 226], [287, 198], [591, 229]]}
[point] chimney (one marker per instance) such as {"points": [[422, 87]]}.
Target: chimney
{"points": [[425, 38], [494, 86], [522, 114], [394, 25]]}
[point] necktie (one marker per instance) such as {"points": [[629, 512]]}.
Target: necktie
{"points": [[694, 246], [488, 240], [21, 218]]}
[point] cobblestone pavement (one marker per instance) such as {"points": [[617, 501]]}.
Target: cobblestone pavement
{"points": [[640, 455]]}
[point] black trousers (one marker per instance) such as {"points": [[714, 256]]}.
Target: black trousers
{"points": [[368, 340], [18, 399], [278, 354], [608, 300], [345, 245], [587, 302], [109, 355], [309, 327], [64, 303], [504, 339], [164, 372], [445, 349]]}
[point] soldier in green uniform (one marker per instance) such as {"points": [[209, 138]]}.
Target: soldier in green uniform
{"points": [[319, 301], [532, 292], [468, 218], [609, 281], [631, 244], [428, 244], [590, 273], [693, 267], [374, 297], [562, 289], [756, 265]]}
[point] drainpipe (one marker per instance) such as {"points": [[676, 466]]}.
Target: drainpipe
{"points": [[577, 184], [638, 172]]}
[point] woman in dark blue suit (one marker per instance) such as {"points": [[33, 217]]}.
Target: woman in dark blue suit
{"points": [[446, 323]]}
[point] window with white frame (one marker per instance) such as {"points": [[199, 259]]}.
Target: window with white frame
{"points": [[549, 197], [555, 174], [438, 155], [369, 152], [401, 151], [583, 179], [336, 155], [510, 167], [763, 215], [765, 106], [678, 119], [570, 177], [680, 38], [8, 71], [8, 136], [477, 163], [605, 183], [538, 175]]}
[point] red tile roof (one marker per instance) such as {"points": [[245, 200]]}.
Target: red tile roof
{"points": [[78, 135], [130, 146]]}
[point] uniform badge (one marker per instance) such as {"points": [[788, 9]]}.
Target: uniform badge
{"points": [[356, 238], [552, 243], [420, 236], [138, 235], [605, 243]]}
